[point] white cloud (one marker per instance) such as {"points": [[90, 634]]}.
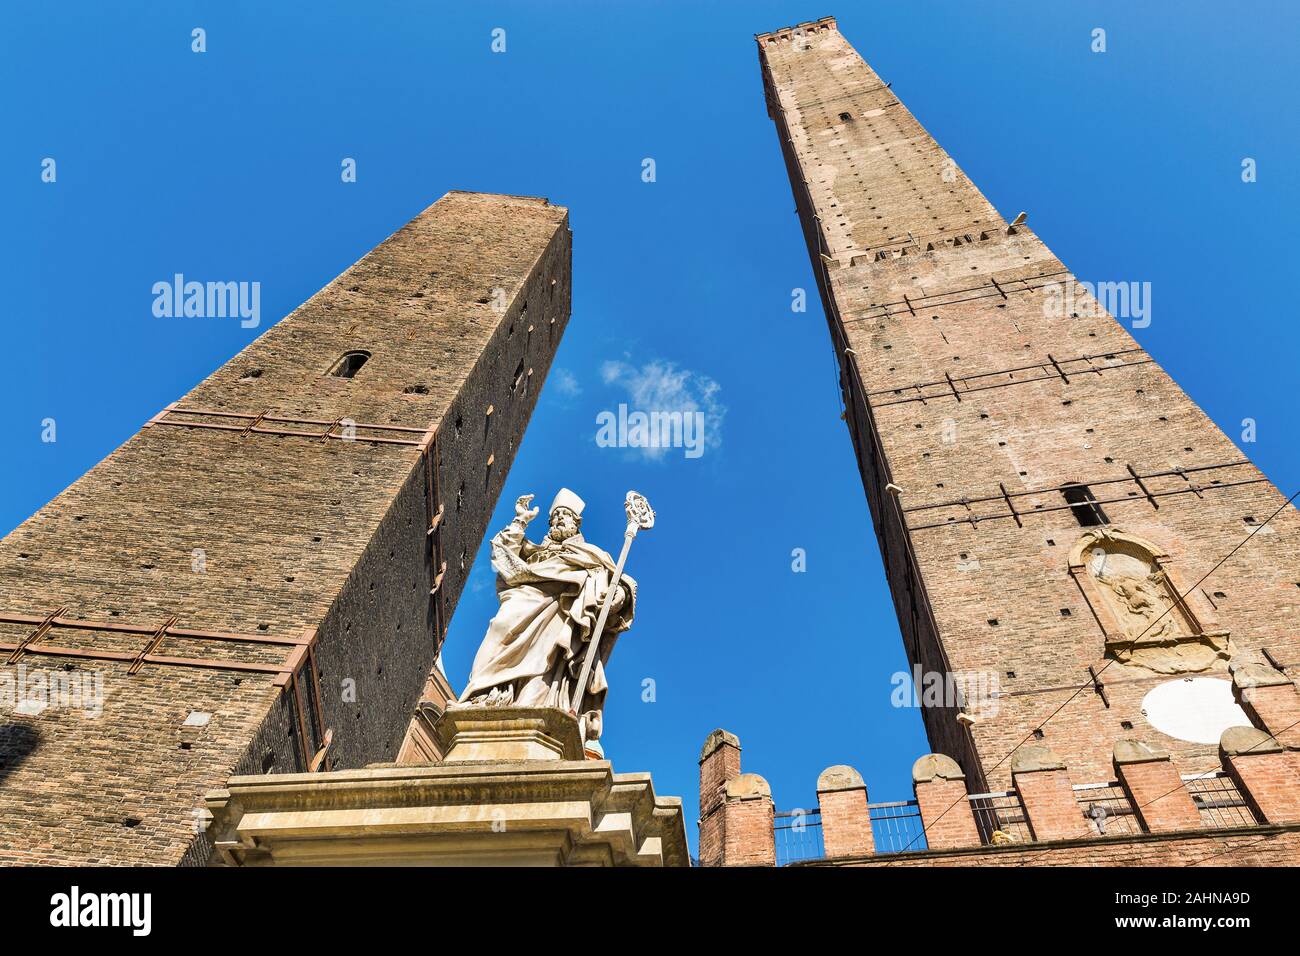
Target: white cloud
{"points": [[566, 383], [661, 386]]}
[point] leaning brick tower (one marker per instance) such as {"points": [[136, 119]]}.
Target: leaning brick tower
{"points": [[276, 556], [1047, 501]]}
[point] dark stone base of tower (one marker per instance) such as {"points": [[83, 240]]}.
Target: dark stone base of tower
{"points": [[276, 555]]}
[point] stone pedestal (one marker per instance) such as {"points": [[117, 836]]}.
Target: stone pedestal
{"points": [[512, 790]]}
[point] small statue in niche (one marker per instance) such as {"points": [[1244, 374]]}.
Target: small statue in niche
{"points": [[1146, 621]]}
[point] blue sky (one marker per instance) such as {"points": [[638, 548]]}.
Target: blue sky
{"points": [[226, 165]]}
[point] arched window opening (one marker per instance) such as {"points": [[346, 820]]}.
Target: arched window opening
{"points": [[349, 364], [519, 377], [1083, 505]]}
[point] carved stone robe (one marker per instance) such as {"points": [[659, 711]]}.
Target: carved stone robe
{"points": [[550, 599]]}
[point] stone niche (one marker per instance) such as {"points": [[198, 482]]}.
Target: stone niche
{"points": [[513, 789], [1134, 593]]}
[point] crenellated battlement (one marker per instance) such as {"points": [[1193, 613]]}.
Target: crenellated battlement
{"points": [[1244, 811]]}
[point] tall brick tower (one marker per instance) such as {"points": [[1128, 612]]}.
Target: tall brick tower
{"points": [[1047, 500], [277, 554]]}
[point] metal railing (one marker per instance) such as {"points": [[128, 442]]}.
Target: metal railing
{"points": [[1219, 801], [896, 827], [798, 836], [1107, 809], [1000, 817]]}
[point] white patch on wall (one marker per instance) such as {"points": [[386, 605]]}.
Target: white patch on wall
{"points": [[1194, 709]]}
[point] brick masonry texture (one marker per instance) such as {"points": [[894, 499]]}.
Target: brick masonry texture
{"points": [[1050, 806], [736, 811], [936, 801], [719, 762], [1268, 781], [960, 384], [462, 310], [1276, 709], [747, 833]]}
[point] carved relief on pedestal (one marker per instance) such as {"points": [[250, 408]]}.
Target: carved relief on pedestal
{"points": [[1133, 592]]}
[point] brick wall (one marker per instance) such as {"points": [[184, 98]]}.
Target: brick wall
{"points": [[960, 386], [1265, 846], [1049, 804], [736, 812], [1159, 799], [1249, 814], [747, 836], [248, 531], [719, 763], [842, 802], [1266, 772], [940, 789]]}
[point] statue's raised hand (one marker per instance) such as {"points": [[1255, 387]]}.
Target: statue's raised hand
{"points": [[524, 514]]}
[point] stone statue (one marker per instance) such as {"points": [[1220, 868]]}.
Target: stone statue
{"points": [[551, 594], [1148, 618]]}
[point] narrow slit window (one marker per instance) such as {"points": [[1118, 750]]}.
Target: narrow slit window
{"points": [[349, 364], [1084, 505]]}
